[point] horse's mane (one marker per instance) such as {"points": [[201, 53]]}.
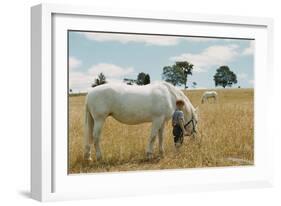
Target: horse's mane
{"points": [[174, 91], [178, 94]]}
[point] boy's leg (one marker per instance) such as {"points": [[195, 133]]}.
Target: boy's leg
{"points": [[181, 138], [178, 136], [176, 132]]}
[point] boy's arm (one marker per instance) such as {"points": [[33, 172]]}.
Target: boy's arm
{"points": [[182, 126]]}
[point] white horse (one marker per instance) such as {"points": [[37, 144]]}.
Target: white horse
{"points": [[133, 105], [209, 94]]}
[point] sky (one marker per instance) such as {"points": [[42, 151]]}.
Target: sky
{"points": [[120, 56]]}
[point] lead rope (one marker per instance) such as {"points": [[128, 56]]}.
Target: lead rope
{"points": [[193, 125]]}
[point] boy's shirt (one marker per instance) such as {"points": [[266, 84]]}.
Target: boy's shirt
{"points": [[177, 116]]}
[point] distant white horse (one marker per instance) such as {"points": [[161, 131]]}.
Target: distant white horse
{"points": [[133, 105], [209, 94]]}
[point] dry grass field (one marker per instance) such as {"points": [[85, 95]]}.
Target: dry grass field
{"points": [[225, 137]]}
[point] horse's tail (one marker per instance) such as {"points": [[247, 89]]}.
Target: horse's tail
{"points": [[88, 132]]}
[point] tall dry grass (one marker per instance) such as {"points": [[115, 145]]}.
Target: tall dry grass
{"points": [[225, 137]]}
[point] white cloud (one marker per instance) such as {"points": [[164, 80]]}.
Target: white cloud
{"points": [[147, 39], [250, 50], [126, 38], [74, 63], [199, 70], [79, 81], [242, 76], [200, 39], [82, 81], [110, 70], [251, 81], [211, 56]]}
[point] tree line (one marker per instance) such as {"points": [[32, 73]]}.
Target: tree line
{"points": [[142, 79], [177, 74]]}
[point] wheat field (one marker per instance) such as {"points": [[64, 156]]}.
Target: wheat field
{"points": [[225, 137]]}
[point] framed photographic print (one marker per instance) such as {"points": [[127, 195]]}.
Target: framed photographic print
{"points": [[136, 102]]}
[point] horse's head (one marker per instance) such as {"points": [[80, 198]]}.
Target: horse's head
{"points": [[191, 118]]}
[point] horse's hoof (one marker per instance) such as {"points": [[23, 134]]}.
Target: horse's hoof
{"points": [[87, 158], [99, 159], [178, 145], [148, 155], [87, 162], [161, 155]]}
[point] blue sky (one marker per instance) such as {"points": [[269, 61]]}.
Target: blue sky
{"points": [[121, 56]]}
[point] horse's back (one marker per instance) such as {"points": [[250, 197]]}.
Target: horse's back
{"points": [[209, 93], [123, 92], [128, 103]]}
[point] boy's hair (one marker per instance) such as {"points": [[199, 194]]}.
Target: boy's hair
{"points": [[179, 102]]}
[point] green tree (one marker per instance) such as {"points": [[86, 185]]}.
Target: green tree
{"points": [[143, 79], [186, 68], [177, 74], [173, 75], [140, 78], [225, 77], [194, 84], [129, 81], [100, 80], [147, 79]]}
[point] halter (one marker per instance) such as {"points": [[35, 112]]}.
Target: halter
{"points": [[193, 124]]}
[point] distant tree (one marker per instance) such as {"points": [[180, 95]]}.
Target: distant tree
{"points": [[100, 80], [173, 75], [225, 77], [143, 79], [147, 79], [129, 81], [194, 84], [187, 70], [177, 74], [140, 78]]}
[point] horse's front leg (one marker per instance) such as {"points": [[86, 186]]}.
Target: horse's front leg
{"points": [[161, 140], [156, 125]]}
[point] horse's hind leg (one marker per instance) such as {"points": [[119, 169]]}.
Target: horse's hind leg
{"points": [[88, 134], [97, 133], [156, 124]]}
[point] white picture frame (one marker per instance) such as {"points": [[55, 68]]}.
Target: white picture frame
{"points": [[49, 178]]}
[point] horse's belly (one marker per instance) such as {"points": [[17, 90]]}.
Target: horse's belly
{"points": [[132, 118]]}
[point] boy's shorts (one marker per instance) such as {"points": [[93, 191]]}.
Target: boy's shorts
{"points": [[178, 134]]}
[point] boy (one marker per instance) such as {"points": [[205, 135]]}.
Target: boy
{"points": [[178, 123]]}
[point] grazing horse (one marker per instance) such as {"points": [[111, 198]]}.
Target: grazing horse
{"points": [[132, 105], [209, 94]]}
